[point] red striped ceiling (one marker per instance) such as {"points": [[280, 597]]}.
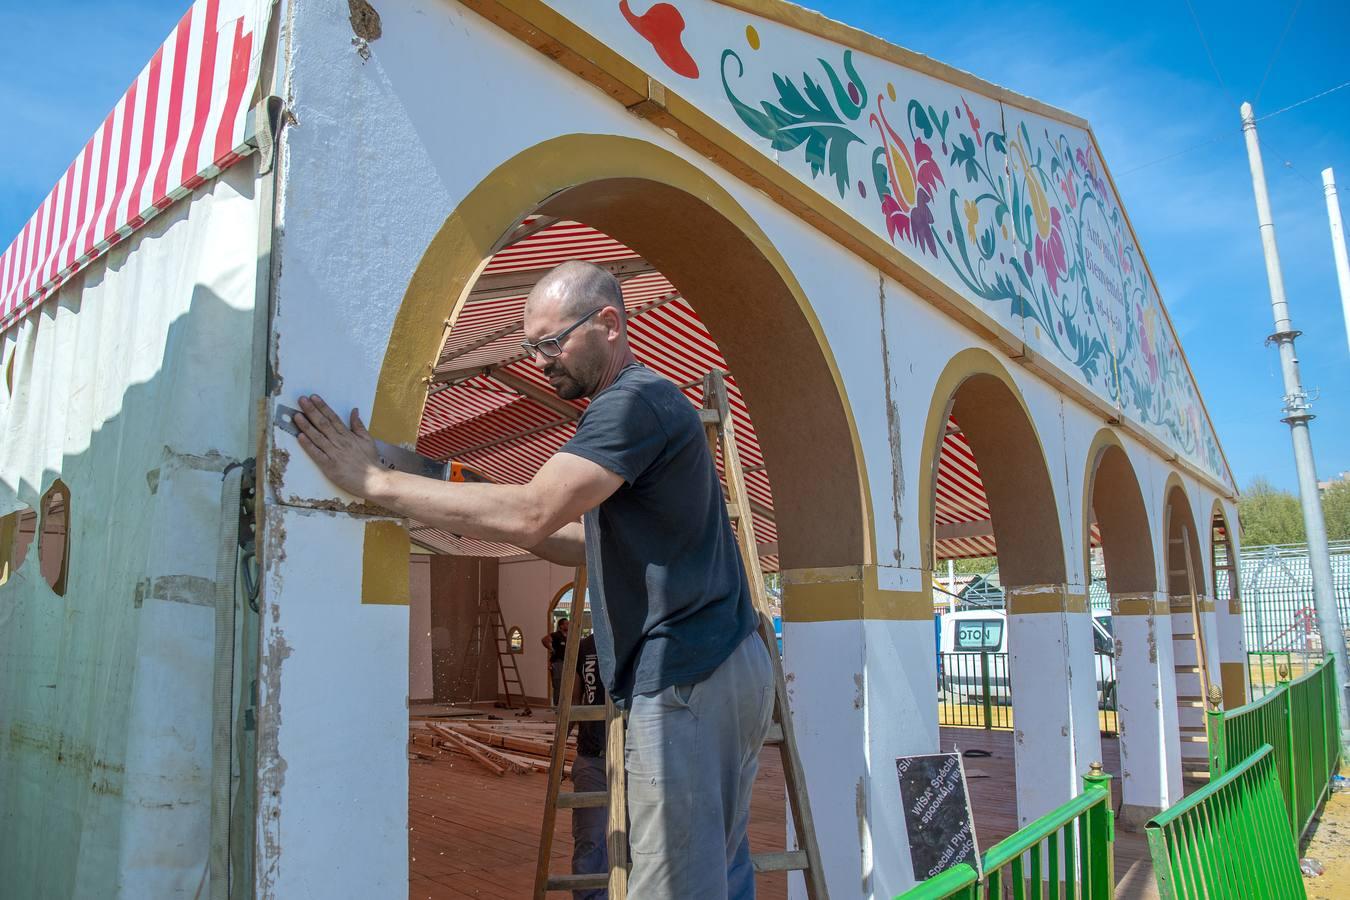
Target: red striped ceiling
{"points": [[479, 420]]}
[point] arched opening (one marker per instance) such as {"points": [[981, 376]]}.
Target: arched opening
{"points": [[704, 290], [1194, 627], [1225, 569], [54, 540], [1133, 671], [17, 532], [991, 498]]}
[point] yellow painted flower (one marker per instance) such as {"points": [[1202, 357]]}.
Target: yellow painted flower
{"points": [[1040, 204], [972, 218]]}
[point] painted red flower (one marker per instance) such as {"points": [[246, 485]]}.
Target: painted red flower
{"points": [[1050, 250], [927, 172], [897, 218], [974, 122], [1069, 188]]}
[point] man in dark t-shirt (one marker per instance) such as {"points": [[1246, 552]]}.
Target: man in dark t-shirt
{"points": [[674, 623], [556, 645]]}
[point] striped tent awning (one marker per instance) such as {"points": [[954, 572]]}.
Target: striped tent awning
{"points": [[490, 407], [180, 123]]}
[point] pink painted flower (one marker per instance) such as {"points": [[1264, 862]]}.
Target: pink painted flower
{"points": [[1069, 188], [927, 172], [1050, 250], [897, 218]]}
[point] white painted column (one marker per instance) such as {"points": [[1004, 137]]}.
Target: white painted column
{"points": [[861, 668], [1146, 697], [1056, 732], [332, 717]]}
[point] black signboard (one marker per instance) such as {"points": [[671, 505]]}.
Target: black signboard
{"points": [[937, 813]]}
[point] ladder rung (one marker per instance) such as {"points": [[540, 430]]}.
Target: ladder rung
{"points": [[577, 882], [586, 714], [1194, 739], [710, 417], [1193, 729], [733, 512], [789, 860], [582, 799], [775, 735]]}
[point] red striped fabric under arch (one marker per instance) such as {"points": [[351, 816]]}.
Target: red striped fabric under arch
{"points": [[507, 436]]}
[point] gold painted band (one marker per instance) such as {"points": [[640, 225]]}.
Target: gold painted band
{"points": [[849, 594], [1181, 603], [1045, 601], [384, 564], [1139, 606]]}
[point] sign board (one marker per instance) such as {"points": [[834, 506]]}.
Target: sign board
{"points": [[937, 814]]}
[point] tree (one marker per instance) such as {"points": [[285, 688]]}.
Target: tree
{"points": [[1269, 515], [1336, 510]]}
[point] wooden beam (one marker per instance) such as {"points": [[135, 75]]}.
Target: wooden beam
{"points": [[982, 528], [515, 284], [522, 231], [443, 375], [531, 391]]}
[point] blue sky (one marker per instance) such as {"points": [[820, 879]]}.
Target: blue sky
{"points": [[1139, 72]]}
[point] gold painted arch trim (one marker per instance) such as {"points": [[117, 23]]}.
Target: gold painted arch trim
{"points": [[440, 284]]}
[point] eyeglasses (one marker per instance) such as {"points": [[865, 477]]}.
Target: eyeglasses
{"points": [[551, 348]]}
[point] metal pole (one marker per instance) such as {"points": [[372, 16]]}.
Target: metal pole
{"points": [[1297, 414], [1338, 246]]}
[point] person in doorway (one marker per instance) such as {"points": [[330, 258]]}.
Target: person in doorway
{"points": [[556, 645], [590, 853], [635, 495]]}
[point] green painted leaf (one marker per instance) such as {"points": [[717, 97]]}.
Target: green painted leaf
{"points": [[802, 116]]}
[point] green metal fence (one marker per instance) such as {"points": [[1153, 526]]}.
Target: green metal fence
{"points": [[1264, 668], [1229, 839], [1068, 852], [976, 691], [1300, 722]]}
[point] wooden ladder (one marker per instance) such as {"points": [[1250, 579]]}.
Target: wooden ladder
{"points": [[506, 661], [616, 880], [488, 621], [721, 433], [1191, 733]]}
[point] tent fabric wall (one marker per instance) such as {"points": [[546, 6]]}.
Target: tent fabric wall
{"points": [[130, 385]]}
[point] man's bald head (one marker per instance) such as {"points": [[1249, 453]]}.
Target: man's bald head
{"points": [[578, 306], [574, 288]]}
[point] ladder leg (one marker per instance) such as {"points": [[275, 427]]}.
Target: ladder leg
{"points": [[559, 756], [617, 830]]}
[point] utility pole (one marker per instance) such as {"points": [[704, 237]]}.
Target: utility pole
{"points": [[1297, 414], [1338, 246]]}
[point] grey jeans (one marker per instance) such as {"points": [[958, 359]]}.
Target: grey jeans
{"points": [[692, 753], [590, 854]]}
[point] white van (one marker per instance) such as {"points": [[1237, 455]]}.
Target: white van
{"points": [[974, 631]]}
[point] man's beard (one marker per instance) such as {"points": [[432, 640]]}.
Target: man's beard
{"points": [[569, 385]]}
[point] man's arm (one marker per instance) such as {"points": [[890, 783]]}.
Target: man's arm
{"points": [[541, 516], [547, 641]]}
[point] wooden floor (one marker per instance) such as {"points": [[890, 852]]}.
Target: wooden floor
{"points": [[472, 834]]}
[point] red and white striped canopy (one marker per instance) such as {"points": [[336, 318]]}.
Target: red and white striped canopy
{"points": [[490, 407], [181, 123]]}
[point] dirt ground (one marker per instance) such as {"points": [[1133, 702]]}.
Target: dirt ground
{"points": [[1330, 846]]}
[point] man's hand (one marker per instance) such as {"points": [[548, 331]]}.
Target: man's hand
{"points": [[346, 455]]}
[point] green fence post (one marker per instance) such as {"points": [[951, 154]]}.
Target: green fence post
{"points": [[984, 682], [1102, 836], [1214, 731], [1287, 704]]}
